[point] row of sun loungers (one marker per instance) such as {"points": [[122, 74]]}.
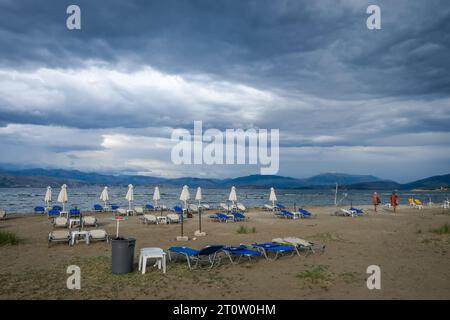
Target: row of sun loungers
{"points": [[223, 217], [352, 212], [276, 248], [66, 236]]}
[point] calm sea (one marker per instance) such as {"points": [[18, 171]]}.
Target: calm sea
{"points": [[23, 200]]}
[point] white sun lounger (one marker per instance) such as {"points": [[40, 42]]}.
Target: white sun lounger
{"points": [[205, 206], [2, 214], [225, 207], [60, 222], [301, 244], [148, 218], [90, 221], [345, 213], [139, 210], [241, 207], [173, 218], [193, 207], [58, 235], [99, 235]]}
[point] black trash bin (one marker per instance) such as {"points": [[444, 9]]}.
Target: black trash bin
{"points": [[123, 255]]}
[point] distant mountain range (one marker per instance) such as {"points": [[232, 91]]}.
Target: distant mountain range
{"points": [[56, 177]]}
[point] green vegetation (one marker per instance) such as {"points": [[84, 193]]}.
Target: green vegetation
{"points": [[317, 276], [7, 237], [444, 229], [244, 230]]}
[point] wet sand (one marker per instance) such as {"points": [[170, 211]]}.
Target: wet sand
{"points": [[414, 260]]}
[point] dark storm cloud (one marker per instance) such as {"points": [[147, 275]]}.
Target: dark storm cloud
{"points": [[137, 69], [318, 47]]}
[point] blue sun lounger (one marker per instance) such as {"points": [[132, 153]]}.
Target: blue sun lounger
{"points": [[221, 217], [288, 214], [54, 213], [59, 208], [356, 210], [149, 206], [280, 206], [74, 212], [276, 248], [98, 208], [39, 209], [178, 209], [207, 254], [305, 213], [239, 216], [114, 207], [240, 251]]}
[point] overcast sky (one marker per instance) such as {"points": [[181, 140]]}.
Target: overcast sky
{"points": [[107, 97]]}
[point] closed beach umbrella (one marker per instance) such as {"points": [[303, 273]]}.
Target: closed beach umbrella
{"points": [[104, 196], [48, 196], [185, 196], [156, 196], [233, 196], [130, 195], [273, 196], [198, 195], [62, 196]]}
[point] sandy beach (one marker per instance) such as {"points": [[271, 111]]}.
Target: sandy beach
{"points": [[413, 257]]}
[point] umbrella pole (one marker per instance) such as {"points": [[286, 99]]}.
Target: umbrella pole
{"points": [[200, 219], [182, 222], [117, 229]]}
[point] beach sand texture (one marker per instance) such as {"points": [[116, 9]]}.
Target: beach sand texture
{"points": [[414, 260]]}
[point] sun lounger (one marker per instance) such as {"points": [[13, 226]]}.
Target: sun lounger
{"points": [[98, 208], [121, 212], [90, 221], [193, 208], [74, 212], [225, 207], [2, 214], [56, 207], [344, 213], [241, 207], [221, 217], [276, 248], [58, 235], [207, 254], [288, 214], [178, 209], [239, 252], [39, 210], [148, 218], [54, 213], [301, 244], [357, 211], [98, 235], [60, 222], [418, 204], [173, 218], [446, 204], [149, 207], [239, 216], [205, 206], [268, 207], [139, 210], [305, 213], [280, 206]]}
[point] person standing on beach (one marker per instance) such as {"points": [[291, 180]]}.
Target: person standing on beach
{"points": [[375, 201], [394, 200]]}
